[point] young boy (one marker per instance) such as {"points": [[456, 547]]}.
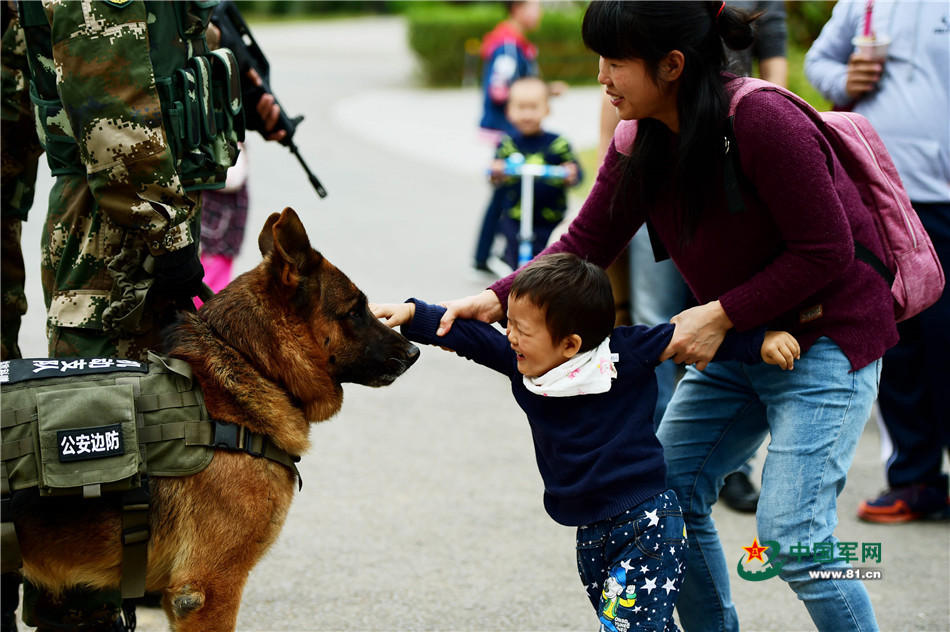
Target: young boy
{"points": [[589, 392], [527, 108]]}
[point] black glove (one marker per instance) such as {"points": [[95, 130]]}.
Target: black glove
{"points": [[179, 273]]}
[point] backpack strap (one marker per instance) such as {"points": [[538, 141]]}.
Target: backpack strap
{"points": [[863, 253], [732, 170]]}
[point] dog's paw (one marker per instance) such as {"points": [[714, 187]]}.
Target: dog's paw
{"points": [[186, 601]]}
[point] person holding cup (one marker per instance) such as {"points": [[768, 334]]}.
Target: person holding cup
{"points": [[900, 81]]}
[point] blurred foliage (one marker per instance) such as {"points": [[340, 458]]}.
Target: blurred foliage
{"points": [[805, 20], [446, 39], [445, 36], [302, 8]]}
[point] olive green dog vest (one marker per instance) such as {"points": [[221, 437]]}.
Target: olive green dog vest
{"points": [[96, 426]]}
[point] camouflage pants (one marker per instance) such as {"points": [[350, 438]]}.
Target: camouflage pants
{"points": [[12, 276], [19, 157]]}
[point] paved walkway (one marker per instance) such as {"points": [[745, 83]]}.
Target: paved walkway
{"points": [[422, 504]]}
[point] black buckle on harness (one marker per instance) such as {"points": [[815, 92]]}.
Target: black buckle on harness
{"points": [[234, 437], [249, 442], [227, 435]]}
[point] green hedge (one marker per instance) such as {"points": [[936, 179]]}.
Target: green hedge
{"points": [[445, 39]]}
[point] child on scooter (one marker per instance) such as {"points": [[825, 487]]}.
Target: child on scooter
{"points": [[526, 110]]}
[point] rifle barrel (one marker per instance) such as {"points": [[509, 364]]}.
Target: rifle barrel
{"points": [[313, 178]]}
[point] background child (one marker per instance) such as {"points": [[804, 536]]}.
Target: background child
{"points": [[223, 219], [507, 55], [589, 391], [527, 108]]}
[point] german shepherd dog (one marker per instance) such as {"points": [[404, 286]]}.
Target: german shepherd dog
{"points": [[270, 352]]}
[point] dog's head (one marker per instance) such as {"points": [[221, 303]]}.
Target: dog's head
{"points": [[356, 347], [294, 321]]}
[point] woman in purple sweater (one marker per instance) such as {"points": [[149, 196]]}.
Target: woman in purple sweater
{"points": [[786, 261]]}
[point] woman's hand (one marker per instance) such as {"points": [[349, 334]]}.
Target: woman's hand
{"points": [[698, 334], [484, 307]]}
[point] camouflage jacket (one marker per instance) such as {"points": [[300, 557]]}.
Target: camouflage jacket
{"points": [[100, 71]]}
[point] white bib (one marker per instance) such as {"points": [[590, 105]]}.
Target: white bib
{"points": [[586, 373]]}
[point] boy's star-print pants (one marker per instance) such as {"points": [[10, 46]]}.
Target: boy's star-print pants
{"points": [[633, 564]]}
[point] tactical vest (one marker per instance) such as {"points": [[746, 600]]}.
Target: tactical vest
{"points": [[199, 89], [100, 427]]}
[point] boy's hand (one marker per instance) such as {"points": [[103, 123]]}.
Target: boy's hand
{"points": [[557, 88], [781, 348], [393, 314], [497, 170], [571, 177]]}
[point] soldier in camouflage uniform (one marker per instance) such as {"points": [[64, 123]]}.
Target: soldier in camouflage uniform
{"points": [[119, 253], [19, 154], [136, 116]]}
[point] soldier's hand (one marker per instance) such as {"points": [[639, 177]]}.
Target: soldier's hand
{"points": [[179, 273], [267, 110]]}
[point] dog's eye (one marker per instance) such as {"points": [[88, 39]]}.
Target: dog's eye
{"points": [[354, 313]]}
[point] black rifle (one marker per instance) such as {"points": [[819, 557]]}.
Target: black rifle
{"points": [[236, 36]]}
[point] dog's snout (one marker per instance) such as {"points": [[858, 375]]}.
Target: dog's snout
{"points": [[412, 354]]}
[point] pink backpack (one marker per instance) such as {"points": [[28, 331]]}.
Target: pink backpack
{"points": [[911, 265]]}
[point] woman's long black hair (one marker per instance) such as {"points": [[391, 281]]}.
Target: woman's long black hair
{"points": [[618, 29]]}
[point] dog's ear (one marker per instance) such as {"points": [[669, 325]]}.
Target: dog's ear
{"points": [[265, 241], [292, 247]]}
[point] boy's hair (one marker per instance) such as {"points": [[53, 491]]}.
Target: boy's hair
{"points": [[527, 81], [575, 295]]}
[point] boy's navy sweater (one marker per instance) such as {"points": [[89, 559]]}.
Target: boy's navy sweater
{"points": [[598, 454]]}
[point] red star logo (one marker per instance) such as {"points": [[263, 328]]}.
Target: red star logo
{"points": [[755, 551]]}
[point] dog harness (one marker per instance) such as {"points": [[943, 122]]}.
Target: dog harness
{"points": [[100, 427]]}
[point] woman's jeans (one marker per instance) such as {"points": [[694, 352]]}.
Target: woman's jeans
{"points": [[815, 415]]}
